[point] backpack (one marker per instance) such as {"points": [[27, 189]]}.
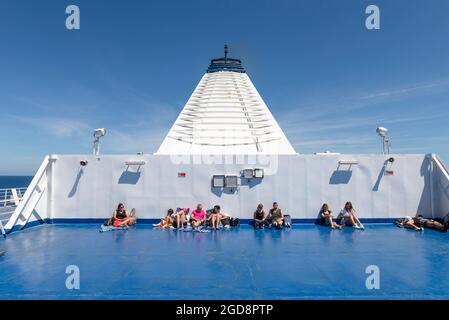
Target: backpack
{"points": [[235, 222], [287, 221]]}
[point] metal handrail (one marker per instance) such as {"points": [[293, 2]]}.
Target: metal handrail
{"points": [[9, 197], [441, 165], [33, 188]]}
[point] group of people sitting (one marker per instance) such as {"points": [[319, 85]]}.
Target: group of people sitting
{"points": [[216, 218], [347, 216], [275, 218], [182, 218]]}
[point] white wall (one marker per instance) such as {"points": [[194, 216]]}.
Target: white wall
{"points": [[440, 189], [300, 184]]}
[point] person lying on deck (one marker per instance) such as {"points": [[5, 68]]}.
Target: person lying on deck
{"points": [[350, 217], [327, 219], [259, 217], [198, 216], [407, 222], [422, 222], [121, 217], [166, 222], [276, 215]]}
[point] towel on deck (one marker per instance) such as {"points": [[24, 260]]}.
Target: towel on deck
{"points": [[104, 228]]}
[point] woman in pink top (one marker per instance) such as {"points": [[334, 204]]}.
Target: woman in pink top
{"points": [[198, 216]]}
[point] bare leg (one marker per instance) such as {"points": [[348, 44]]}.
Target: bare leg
{"points": [[356, 220], [409, 224], [182, 220], [350, 221]]}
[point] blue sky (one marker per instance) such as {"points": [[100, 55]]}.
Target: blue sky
{"points": [[327, 79]]}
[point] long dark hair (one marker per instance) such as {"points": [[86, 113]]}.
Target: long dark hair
{"points": [[324, 208], [351, 208], [120, 205]]}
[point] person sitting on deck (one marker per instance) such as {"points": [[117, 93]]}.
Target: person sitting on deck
{"points": [[122, 218], [350, 217], [208, 219], [259, 217], [181, 217], [166, 222], [407, 222], [327, 219], [276, 216], [422, 222], [198, 216], [225, 219], [216, 217]]}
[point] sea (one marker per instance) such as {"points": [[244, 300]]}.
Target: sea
{"points": [[7, 182]]}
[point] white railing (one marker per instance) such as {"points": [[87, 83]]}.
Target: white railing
{"points": [[11, 197], [441, 165], [30, 199]]}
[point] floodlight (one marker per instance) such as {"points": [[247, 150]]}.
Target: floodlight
{"points": [[248, 173], [98, 133], [383, 133], [258, 173], [231, 182], [218, 181], [84, 163]]}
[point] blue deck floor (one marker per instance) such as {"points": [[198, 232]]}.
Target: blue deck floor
{"points": [[307, 262]]}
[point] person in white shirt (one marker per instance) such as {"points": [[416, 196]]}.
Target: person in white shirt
{"points": [[350, 217]]}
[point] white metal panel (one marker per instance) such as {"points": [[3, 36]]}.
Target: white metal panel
{"points": [[300, 185]]}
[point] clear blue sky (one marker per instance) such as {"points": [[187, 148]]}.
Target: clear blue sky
{"points": [[133, 65]]}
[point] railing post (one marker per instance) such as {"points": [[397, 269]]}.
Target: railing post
{"points": [[432, 207]]}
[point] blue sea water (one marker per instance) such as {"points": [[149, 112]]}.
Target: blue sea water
{"points": [[15, 181]]}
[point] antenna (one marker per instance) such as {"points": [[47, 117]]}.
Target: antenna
{"points": [[226, 53]]}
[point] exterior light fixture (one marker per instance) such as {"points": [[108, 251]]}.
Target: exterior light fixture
{"points": [[383, 133], [231, 181], [98, 133], [258, 173], [218, 181]]}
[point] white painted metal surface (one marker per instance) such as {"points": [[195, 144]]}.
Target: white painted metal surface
{"points": [[225, 115], [27, 210], [300, 183], [11, 197], [225, 128]]}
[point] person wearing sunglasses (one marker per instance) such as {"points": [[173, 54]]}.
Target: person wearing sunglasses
{"points": [[122, 218]]}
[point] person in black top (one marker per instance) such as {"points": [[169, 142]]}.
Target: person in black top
{"points": [[259, 217], [327, 218]]}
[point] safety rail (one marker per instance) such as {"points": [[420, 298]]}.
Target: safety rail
{"points": [[11, 197], [30, 199], [441, 165]]}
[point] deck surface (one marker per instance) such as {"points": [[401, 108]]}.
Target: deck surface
{"points": [[307, 262]]}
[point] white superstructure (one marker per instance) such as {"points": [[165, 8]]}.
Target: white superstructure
{"points": [[225, 115]]}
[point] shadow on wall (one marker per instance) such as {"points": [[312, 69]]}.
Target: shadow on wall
{"points": [[381, 174], [251, 183], [340, 176], [129, 177], [219, 191], [75, 184], [425, 206]]}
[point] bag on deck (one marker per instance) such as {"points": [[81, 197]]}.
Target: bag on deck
{"points": [[287, 221], [235, 222]]}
